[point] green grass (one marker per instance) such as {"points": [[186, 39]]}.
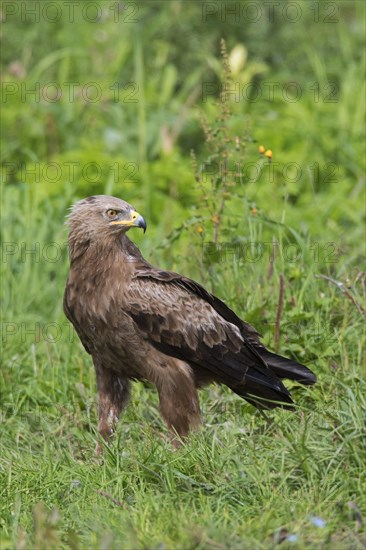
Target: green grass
{"points": [[243, 480]]}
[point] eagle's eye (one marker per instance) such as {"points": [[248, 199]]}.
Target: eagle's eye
{"points": [[111, 213]]}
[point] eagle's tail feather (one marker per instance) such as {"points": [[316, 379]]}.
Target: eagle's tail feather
{"points": [[286, 368], [263, 389]]}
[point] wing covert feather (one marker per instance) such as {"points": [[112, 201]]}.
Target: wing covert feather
{"points": [[179, 318]]}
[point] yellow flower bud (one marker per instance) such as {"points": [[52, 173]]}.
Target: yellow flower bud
{"points": [[268, 154]]}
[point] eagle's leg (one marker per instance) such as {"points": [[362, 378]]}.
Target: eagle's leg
{"points": [[113, 395], [179, 405]]}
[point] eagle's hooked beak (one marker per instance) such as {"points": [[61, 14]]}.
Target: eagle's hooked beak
{"points": [[136, 220]]}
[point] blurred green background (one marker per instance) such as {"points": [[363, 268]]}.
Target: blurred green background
{"points": [[142, 100], [121, 85]]}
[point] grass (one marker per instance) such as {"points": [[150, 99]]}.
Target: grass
{"points": [[235, 485], [288, 480], [242, 481]]}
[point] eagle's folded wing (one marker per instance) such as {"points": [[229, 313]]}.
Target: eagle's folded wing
{"points": [[181, 319]]}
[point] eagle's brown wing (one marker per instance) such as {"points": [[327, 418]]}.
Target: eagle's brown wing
{"points": [[181, 319]]}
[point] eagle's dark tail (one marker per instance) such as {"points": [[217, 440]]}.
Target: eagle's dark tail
{"points": [[263, 387], [286, 368]]}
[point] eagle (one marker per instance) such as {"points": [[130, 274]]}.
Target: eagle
{"points": [[143, 323]]}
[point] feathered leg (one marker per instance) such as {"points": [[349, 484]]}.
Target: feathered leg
{"points": [[113, 395], [179, 405]]}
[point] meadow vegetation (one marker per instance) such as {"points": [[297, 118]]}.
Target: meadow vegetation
{"points": [[148, 103]]}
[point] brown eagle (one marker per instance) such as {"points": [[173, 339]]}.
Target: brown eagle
{"points": [[142, 323]]}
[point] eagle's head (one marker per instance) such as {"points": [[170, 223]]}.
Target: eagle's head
{"points": [[98, 217]]}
